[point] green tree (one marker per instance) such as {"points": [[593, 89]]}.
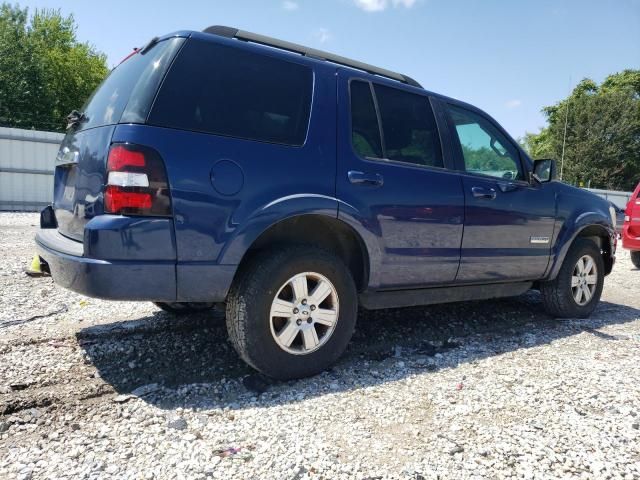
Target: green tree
{"points": [[45, 72], [602, 145], [483, 158]]}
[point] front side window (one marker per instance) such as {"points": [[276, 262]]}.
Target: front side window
{"points": [[484, 149], [409, 127], [222, 90]]}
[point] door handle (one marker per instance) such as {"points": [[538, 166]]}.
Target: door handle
{"points": [[361, 178], [480, 192]]}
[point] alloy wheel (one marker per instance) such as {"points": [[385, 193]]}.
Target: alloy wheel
{"points": [[584, 280], [304, 313]]}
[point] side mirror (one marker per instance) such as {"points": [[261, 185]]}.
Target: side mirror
{"points": [[544, 170]]}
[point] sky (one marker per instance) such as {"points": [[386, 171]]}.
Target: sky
{"points": [[510, 58]]}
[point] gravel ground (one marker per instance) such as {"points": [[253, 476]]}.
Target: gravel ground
{"points": [[495, 389]]}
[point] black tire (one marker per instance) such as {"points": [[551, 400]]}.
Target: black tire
{"points": [[249, 303], [180, 308], [557, 295], [635, 258]]}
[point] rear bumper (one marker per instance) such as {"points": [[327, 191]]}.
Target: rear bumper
{"points": [[115, 280], [130, 258]]}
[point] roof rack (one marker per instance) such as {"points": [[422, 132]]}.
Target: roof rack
{"points": [[231, 32]]}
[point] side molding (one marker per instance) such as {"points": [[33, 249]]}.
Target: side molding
{"points": [[430, 296]]}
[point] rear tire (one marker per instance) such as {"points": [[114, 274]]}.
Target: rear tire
{"points": [[181, 308], [274, 320], [635, 258], [576, 291]]}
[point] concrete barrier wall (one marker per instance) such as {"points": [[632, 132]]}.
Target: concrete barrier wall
{"points": [[618, 198], [27, 160]]}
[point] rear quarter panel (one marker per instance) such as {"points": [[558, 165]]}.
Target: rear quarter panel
{"points": [[214, 228]]}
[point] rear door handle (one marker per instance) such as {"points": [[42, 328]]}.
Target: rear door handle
{"points": [[361, 178], [481, 192]]}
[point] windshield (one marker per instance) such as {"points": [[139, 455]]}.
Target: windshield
{"points": [[127, 93]]}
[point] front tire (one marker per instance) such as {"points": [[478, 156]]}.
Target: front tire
{"points": [[291, 312], [635, 258], [576, 291]]}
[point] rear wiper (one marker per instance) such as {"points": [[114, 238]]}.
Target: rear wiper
{"points": [[75, 118]]}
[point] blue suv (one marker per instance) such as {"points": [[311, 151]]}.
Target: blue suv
{"points": [[294, 186]]}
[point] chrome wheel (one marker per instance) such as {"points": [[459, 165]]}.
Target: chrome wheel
{"points": [[584, 280], [304, 313]]}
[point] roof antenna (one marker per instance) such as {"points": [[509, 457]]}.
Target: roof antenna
{"points": [[564, 136]]}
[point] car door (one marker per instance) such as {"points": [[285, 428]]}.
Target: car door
{"points": [[509, 222], [392, 181]]}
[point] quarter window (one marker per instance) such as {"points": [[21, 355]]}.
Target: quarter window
{"points": [[228, 91], [484, 149]]}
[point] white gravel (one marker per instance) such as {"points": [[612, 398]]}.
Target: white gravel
{"points": [[497, 389]]}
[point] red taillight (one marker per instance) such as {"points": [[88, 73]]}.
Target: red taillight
{"points": [[121, 157], [136, 182], [117, 199]]}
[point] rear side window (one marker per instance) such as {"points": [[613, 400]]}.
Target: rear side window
{"points": [[223, 90], [127, 93], [409, 127], [365, 132]]}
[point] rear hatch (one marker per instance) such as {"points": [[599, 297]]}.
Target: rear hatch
{"points": [[125, 96]]}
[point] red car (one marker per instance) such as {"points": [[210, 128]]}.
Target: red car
{"points": [[631, 228]]}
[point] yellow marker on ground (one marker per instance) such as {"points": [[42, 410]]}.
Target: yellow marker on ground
{"points": [[35, 269]]}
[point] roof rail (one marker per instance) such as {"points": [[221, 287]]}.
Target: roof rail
{"points": [[231, 32]]}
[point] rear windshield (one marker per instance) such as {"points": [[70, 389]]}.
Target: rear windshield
{"points": [[228, 91], [127, 93]]}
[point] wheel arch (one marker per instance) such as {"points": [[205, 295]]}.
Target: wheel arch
{"points": [[318, 230], [593, 227]]}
